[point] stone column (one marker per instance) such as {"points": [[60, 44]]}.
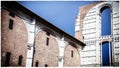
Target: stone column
{"points": [[80, 50], [62, 45], [61, 55], [30, 45], [98, 49]]}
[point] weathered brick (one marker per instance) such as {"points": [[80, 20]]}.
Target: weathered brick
{"points": [[46, 54], [71, 61], [13, 41]]}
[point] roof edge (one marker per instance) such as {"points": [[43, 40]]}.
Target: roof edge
{"points": [[16, 5]]}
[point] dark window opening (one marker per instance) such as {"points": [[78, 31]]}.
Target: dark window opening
{"points": [[11, 14], [47, 42], [11, 24], [47, 33], [20, 60], [71, 53], [7, 60], [46, 65], [36, 64], [83, 37]]}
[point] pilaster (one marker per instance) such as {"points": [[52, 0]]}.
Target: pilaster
{"points": [[30, 45]]}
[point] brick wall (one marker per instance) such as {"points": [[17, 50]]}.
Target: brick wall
{"points": [[13, 40], [46, 54], [69, 59]]}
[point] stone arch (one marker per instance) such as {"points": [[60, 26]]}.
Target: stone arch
{"points": [[104, 5], [70, 59], [15, 39], [104, 41], [101, 9], [46, 30], [46, 54]]}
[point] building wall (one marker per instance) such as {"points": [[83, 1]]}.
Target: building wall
{"points": [[46, 54], [80, 19], [87, 16], [28, 38], [71, 60], [116, 34], [13, 40], [90, 27]]}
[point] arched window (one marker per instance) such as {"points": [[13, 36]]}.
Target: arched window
{"points": [[20, 60], [106, 30], [105, 20]]}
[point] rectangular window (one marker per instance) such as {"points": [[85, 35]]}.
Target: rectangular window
{"points": [[46, 65], [71, 53], [11, 14], [20, 60], [36, 64], [83, 37], [11, 24], [7, 60], [47, 41], [47, 33]]}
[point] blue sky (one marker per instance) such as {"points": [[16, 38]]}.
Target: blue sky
{"points": [[60, 13]]}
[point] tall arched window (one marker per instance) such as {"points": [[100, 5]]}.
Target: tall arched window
{"points": [[20, 60], [105, 20], [106, 30]]}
